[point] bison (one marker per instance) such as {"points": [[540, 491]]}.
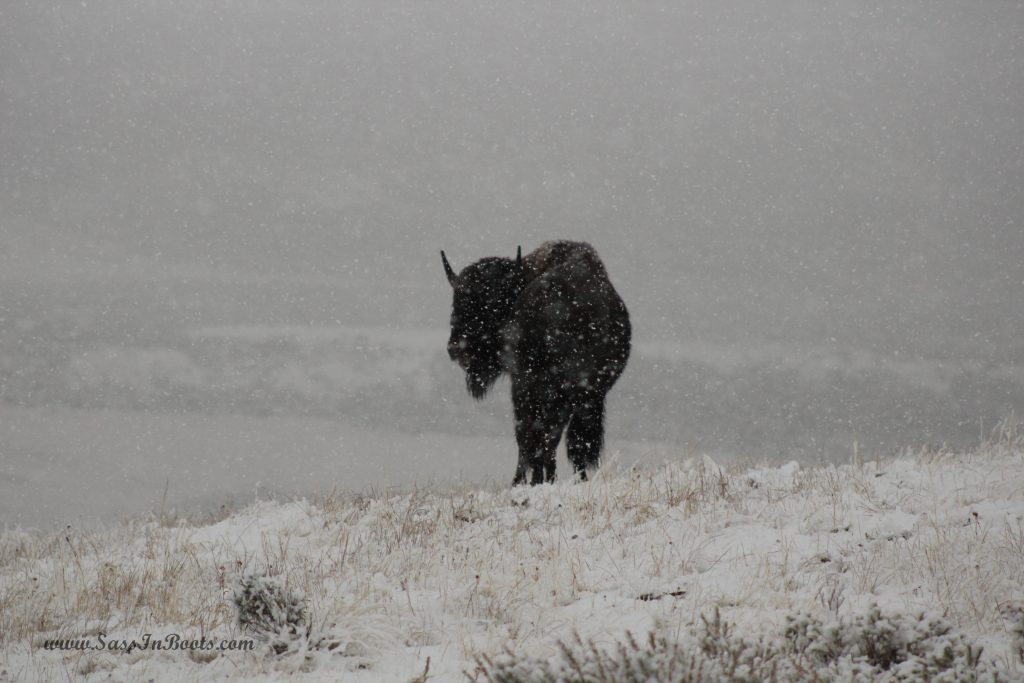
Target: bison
{"points": [[553, 322]]}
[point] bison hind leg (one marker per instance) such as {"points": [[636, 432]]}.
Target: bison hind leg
{"points": [[586, 435]]}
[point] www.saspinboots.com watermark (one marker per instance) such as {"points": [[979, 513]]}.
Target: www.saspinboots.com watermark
{"points": [[170, 642]]}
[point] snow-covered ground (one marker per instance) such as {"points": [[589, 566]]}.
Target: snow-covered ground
{"points": [[380, 584]]}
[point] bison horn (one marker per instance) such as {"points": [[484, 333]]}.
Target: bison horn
{"points": [[519, 257], [448, 269]]}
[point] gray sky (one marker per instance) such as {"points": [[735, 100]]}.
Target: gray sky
{"points": [[809, 168], [209, 208]]}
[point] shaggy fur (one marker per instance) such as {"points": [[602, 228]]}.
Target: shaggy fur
{"points": [[554, 322]]}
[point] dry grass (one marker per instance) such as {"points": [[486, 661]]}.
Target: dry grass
{"points": [[464, 573]]}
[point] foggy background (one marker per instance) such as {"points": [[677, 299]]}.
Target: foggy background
{"points": [[220, 224]]}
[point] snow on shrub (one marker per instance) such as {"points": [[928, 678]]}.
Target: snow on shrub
{"points": [[267, 609], [863, 648]]}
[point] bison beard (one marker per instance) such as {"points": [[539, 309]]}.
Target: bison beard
{"points": [[483, 371], [554, 322]]}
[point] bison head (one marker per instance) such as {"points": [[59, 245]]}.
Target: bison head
{"points": [[485, 293]]}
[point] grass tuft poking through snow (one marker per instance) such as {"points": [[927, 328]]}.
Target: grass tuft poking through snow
{"points": [[867, 648], [906, 569]]}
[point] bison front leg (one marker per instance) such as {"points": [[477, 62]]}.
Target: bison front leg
{"points": [[540, 421], [525, 443], [537, 440]]}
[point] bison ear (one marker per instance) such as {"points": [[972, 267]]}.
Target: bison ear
{"points": [[448, 269], [519, 258]]}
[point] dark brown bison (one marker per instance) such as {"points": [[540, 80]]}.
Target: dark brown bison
{"points": [[554, 322]]}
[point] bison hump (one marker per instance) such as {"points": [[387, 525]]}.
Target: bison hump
{"points": [[557, 254]]}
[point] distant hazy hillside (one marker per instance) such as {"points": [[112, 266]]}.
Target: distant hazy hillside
{"points": [[94, 349]]}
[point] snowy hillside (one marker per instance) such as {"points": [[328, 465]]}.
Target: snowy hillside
{"points": [[896, 568]]}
